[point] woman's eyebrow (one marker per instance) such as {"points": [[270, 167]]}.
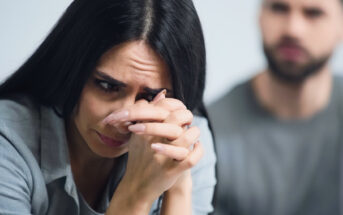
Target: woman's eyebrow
{"points": [[155, 91], [109, 79]]}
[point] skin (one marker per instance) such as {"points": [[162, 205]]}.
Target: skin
{"points": [[121, 102], [316, 29]]}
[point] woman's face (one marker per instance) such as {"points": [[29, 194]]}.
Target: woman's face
{"points": [[124, 74]]}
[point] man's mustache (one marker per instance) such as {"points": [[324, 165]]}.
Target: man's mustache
{"points": [[291, 42]]}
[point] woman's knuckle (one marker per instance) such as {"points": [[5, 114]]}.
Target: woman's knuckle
{"points": [[189, 114], [163, 112], [174, 102], [196, 131], [179, 103], [178, 131], [190, 162], [141, 102], [188, 139]]}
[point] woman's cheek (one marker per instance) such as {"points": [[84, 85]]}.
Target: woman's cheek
{"points": [[96, 110]]}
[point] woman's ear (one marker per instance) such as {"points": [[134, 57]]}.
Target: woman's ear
{"points": [[75, 111]]}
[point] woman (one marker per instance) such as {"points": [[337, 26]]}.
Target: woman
{"points": [[98, 120]]}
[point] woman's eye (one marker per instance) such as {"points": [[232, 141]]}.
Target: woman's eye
{"points": [[107, 87], [147, 96], [150, 97]]}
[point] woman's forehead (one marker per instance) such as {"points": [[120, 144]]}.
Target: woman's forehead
{"points": [[137, 53], [135, 62]]}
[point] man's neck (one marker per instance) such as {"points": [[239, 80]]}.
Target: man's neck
{"points": [[289, 101]]}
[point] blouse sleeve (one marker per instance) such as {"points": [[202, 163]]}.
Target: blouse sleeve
{"points": [[15, 184], [203, 174]]}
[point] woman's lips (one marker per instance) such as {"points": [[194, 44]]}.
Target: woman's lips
{"points": [[109, 141]]}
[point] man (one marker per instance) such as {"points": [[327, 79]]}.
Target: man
{"points": [[279, 135]]}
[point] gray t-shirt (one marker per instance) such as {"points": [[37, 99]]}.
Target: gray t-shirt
{"points": [[268, 166]]}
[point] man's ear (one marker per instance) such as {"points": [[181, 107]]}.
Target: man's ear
{"points": [[341, 24], [260, 18], [341, 32]]}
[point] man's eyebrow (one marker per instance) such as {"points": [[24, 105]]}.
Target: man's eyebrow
{"points": [[278, 4], [109, 79]]}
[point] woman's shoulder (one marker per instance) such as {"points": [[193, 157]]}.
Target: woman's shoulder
{"points": [[19, 149], [206, 139], [18, 108], [20, 124], [203, 174], [206, 134], [200, 121]]}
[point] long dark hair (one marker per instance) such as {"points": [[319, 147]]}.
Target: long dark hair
{"points": [[58, 70]]}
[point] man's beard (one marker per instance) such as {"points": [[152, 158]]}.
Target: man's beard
{"points": [[292, 72]]}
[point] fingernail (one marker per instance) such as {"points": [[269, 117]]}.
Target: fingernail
{"points": [[160, 95], [137, 128], [119, 116], [157, 147], [127, 123], [122, 130]]}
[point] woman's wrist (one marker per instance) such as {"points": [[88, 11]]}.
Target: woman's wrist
{"points": [[178, 200], [129, 202], [183, 185]]}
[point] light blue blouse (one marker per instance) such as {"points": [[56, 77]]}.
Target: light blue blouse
{"points": [[35, 172]]}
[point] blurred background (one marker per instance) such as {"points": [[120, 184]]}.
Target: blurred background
{"points": [[231, 32]]}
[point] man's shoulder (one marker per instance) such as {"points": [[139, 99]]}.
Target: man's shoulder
{"points": [[232, 96], [231, 111], [232, 103], [338, 81]]}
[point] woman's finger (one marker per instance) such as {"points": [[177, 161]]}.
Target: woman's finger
{"points": [[123, 127], [173, 152], [193, 157], [164, 130], [142, 112], [180, 117], [170, 104], [188, 138], [161, 95]]}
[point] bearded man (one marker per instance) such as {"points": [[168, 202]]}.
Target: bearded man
{"points": [[279, 135]]}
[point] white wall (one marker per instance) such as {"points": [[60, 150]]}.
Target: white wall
{"points": [[23, 26], [230, 27]]}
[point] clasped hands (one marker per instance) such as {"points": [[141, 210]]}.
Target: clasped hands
{"points": [[162, 148]]}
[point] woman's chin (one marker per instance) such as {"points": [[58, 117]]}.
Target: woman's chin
{"points": [[105, 151]]}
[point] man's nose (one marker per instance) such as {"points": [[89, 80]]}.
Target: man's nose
{"points": [[295, 26]]}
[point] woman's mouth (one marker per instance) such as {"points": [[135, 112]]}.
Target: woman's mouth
{"points": [[109, 141]]}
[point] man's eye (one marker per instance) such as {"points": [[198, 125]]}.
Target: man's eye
{"points": [[107, 87], [313, 13]]}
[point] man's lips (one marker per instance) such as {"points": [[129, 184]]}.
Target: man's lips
{"points": [[290, 52], [109, 141]]}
